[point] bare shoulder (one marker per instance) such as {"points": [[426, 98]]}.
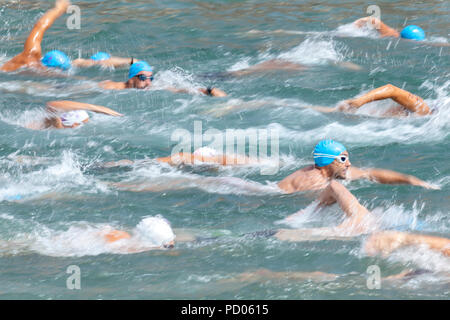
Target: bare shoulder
{"points": [[111, 85]]}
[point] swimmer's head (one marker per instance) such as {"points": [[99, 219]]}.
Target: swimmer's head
{"points": [[334, 156], [157, 231], [99, 56], [74, 119], [413, 32], [140, 75], [56, 59]]}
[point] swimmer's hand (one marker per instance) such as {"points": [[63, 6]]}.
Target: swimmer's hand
{"points": [[214, 92], [62, 4], [364, 21], [417, 182]]}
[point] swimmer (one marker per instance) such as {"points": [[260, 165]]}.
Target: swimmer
{"points": [[407, 103], [150, 233], [410, 32], [331, 161], [276, 65], [140, 76], [386, 242], [69, 114], [31, 56], [201, 156]]}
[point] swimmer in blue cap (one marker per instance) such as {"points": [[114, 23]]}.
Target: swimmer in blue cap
{"points": [[140, 76], [331, 161], [31, 56], [411, 32], [69, 114]]}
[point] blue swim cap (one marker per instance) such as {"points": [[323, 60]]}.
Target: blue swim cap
{"points": [[14, 198], [100, 56], [413, 32], [56, 59], [138, 67], [326, 151]]}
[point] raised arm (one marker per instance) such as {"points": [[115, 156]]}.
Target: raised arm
{"points": [[386, 177], [408, 100], [380, 26], [32, 52], [64, 105]]}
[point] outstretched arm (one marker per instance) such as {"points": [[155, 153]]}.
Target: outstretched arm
{"points": [[386, 177], [380, 26], [65, 105], [111, 62], [213, 92], [408, 100], [32, 52], [388, 241]]}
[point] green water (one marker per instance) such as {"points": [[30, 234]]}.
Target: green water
{"points": [[64, 193]]}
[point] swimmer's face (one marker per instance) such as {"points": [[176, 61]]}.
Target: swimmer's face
{"points": [[142, 80], [340, 165]]}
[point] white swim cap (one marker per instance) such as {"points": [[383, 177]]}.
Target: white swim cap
{"points": [[70, 118], [206, 152], [156, 230]]}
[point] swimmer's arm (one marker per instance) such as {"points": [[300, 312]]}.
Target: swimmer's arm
{"points": [[65, 105], [386, 177], [408, 100], [388, 241], [112, 164], [382, 28], [112, 62]]}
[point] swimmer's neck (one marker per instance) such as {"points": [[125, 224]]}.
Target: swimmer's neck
{"points": [[325, 172]]}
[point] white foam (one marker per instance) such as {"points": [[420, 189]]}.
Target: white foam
{"points": [[313, 52]]}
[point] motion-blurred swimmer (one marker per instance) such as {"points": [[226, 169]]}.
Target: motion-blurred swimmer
{"points": [[411, 32], [204, 155], [140, 76], [386, 242], [69, 114]]}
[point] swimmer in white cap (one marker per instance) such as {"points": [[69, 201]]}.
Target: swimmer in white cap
{"points": [[69, 114], [201, 156], [150, 233]]}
